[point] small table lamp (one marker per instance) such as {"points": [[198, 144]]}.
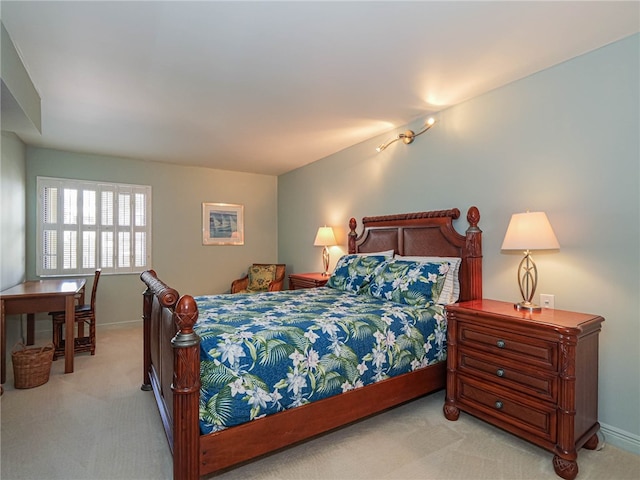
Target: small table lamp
{"points": [[325, 238], [529, 231]]}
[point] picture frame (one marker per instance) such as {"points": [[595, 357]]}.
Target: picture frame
{"points": [[222, 224]]}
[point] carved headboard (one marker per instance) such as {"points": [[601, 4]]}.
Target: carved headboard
{"points": [[426, 234]]}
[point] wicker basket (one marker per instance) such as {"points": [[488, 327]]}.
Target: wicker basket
{"points": [[31, 366]]}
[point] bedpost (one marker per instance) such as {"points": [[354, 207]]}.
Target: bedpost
{"points": [[186, 392], [147, 303], [474, 250], [167, 297], [352, 235]]}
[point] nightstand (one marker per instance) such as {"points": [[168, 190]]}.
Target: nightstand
{"points": [[532, 374], [307, 280]]}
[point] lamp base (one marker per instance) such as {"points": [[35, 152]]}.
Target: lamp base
{"points": [[325, 261], [527, 307]]}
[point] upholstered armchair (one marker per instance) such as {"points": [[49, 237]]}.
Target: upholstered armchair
{"points": [[261, 277]]}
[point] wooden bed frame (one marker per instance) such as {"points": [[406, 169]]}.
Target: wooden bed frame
{"points": [[172, 357]]}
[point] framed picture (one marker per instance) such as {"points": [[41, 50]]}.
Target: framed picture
{"points": [[222, 224]]}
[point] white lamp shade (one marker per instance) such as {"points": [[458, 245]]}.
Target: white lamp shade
{"points": [[324, 237], [530, 231]]}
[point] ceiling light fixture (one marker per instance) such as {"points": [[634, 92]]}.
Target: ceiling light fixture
{"points": [[408, 136]]}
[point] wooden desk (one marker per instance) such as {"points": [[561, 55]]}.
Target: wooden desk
{"points": [[41, 296]]}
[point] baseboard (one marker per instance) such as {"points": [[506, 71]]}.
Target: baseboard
{"points": [[620, 438], [126, 323], [44, 334]]}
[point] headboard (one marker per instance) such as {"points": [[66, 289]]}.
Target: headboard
{"points": [[426, 234]]}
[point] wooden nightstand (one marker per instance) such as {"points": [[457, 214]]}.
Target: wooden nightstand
{"points": [[307, 280], [532, 374]]}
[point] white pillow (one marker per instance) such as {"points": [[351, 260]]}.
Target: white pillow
{"points": [[386, 253], [451, 289]]}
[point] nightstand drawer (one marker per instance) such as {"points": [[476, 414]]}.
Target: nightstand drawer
{"points": [[513, 412], [509, 374], [307, 280], [528, 350]]}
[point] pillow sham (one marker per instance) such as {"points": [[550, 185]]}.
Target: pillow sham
{"points": [[352, 272], [451, 288], [408, 282]]}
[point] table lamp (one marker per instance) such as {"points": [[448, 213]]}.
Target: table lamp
{"points": [[325, 238], [529, 231]]}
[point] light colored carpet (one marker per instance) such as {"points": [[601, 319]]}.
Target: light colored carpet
{"points": [[97, 424]]}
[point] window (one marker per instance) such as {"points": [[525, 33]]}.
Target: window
{"points": [[85, 225]]}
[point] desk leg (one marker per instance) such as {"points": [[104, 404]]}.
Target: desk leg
{"points": [[31, 328], [70, 341], [3, 346]]}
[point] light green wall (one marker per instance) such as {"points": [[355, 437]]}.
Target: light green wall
{"points": [[20, 111], [21, 101], [564, 141], [178, 193], [12, 208]]}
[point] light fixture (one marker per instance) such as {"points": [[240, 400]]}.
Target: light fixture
{"points": [[529, 231], [408, 136], [325, 238]]}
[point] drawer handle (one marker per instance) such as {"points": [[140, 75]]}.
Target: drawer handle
{"points": [[500, 343], [499, 405], [500, 372]]}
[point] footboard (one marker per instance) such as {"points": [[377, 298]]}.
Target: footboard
{"points": [[172, 369]]}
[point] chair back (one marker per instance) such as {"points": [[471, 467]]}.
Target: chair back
{"points": [[280, 272], [278, 278], [94, 289]]}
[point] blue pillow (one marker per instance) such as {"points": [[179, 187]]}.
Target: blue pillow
{"points": [[353, 272], [407, 282]]}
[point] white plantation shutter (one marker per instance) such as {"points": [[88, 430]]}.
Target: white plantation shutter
{"points": [[89, 242], [107, 246], [140, 229], [85, 225], [88, 228], [48, 208], [106, 212]]}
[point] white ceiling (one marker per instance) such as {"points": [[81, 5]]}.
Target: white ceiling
{"points": [[267, 87]]}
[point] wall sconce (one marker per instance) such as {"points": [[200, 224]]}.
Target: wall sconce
{"points": [[529, 231], [325, 238], [408, 136]]}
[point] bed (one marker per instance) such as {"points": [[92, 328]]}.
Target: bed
{"points": [[175, 341]]}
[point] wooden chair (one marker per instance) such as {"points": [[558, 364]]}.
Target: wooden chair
{"points": [[262, 277], [84, 314]]}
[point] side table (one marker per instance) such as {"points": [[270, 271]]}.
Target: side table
{"points": [[307, 280], [532, 374]]}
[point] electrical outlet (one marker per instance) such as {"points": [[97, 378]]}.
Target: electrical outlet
{"points": [[547, 300]]}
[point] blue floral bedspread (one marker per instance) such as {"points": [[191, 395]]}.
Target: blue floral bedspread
{"points": [[263, 353]]}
